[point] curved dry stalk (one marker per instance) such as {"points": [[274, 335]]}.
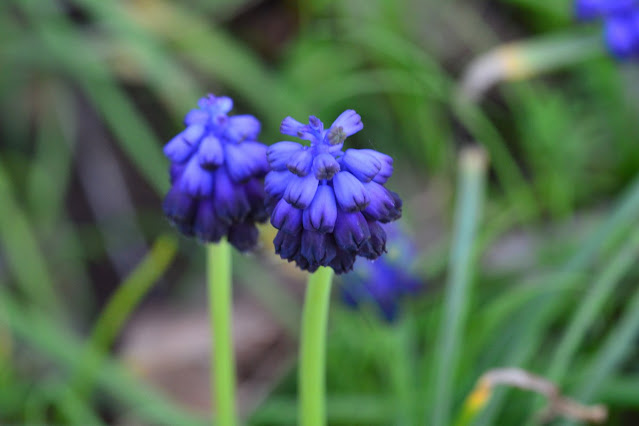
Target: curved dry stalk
{"points": [[558, 405]]}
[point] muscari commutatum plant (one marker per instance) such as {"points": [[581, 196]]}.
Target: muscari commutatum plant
{"points": [[385, 282], [328, 206], [621, 23], [217, 194], [216, 173]]}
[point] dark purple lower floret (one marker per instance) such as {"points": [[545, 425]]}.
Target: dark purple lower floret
{"points": [[287, 245], [178, 207], [207, 225], [232, 211], [243, 236], [375, 246], [343, 262], [318, 248]]}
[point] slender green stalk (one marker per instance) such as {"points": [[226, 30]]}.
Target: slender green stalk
{"points": [[467, 216], [313, 349], [117, 310], [222, 361]]}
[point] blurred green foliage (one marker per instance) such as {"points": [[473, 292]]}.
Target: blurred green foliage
{"points": [[91, 89]]}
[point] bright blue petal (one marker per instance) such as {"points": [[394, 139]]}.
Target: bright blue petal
{"points": [[322, 213], [361, 164], [286, 217], [182, 146], [382, 204], [350, 192], [245, 160], [300, 162], [196, 116], [325, 166], [196, 181], [349, 121], [210, 153], [621, 37], [230, 201], [279, 154], [275, 183], [242, 127], [301, 190]]}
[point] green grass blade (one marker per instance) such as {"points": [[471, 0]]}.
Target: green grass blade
{"points": [[23, 255], [120, 306], [449, 343], [591, 305], [47, 338]]}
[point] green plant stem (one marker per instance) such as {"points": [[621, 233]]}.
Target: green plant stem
{"points": [[117, 310], [467, 216], [222, 361], [313, 349]]}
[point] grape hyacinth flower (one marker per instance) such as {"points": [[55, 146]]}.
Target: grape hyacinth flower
{"points": [[216, 171], [328, 204], [621, 23], [386, 281]]}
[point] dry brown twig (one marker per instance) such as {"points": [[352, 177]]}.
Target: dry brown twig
{"points": [[558, 405]]}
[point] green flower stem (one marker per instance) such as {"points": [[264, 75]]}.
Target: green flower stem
{"points": [[313, 349], [222, 361]]}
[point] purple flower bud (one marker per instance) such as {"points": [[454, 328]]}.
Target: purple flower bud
{"points": [[322, 213], [275, 183], [350, 192], [243, 235], [280, 153], [349, 121], [245, 160], [339, 196], [287, 245], [325, 166], [382, 205], [215, 175], [351, 231], [300, 162], [318, 248], [286, 217], [300, 191], [591, 9], [210, 155], [361, 164], [195, 181], [621, 24], [207, 226], [242, 127], [386, 281], [622, 35]]}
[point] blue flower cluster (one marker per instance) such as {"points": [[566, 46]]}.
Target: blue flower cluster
{"points": [[216, 170], [621, 21], [386, 281], [328, 204]]}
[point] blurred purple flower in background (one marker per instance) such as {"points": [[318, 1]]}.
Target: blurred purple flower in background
{"points": [[326, 203], [216, 171], [621, 23], [386, 281]]}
